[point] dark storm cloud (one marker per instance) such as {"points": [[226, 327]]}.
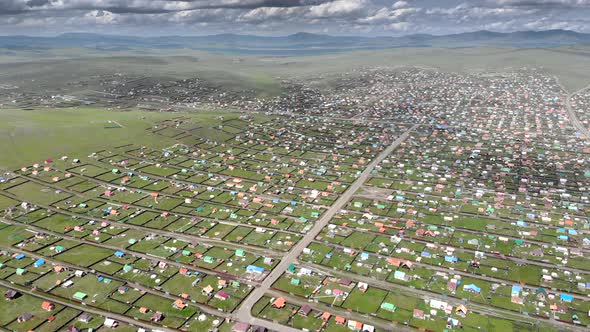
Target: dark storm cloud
{"points": [[542, 3], [146, 6]]}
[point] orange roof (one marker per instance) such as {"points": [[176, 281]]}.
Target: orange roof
{"points": [[461, 308], [326, 315], [179, 304], [340, 319], [47, 305], [143, 310], [394, 261], [154, 194], [279, 303], [184, 296]]}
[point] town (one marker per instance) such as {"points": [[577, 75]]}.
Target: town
{"points": [[397, 200]]}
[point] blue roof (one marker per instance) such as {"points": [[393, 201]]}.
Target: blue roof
{"points": [[254, 268], [516, 289], [40, 262], [425, 254], [451, 259], [566, 297], [119, 253], [19, 256], [472, 287]]}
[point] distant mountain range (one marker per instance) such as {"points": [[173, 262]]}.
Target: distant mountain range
{"points": [[297, 43]]}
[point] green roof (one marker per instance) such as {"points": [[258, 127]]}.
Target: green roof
{"points": [[79, 296], [388, 306]]}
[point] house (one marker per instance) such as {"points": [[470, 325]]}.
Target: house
{"points": [[451, 259], [304, 310], [208, 290], [400, 275], [221, 295], [119, 254], [240, 327], [144, 310], [345, 282], [541, 293], [566, 298], [279, 303], [111, 323], [72, 328], [157, 317], [472, 288], [354, 325], [84, 318], [461, 310], [11, 294], [254, 269], [362, 286], [79, 296], [209, 259], [178, 304], [388, 306], [47, 306], [326, 316], [39, 262], [24, 317], [452, 285], [340, 320], [419, 314]]}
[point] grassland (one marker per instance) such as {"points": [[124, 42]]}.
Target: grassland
{"points": [[30, 135]]}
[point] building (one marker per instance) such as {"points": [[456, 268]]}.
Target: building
{"points": [[47, 306], [255, 269], [11, 294], [240, 327], [388, 306], [279, 303], [111, 323], [304, 310]]}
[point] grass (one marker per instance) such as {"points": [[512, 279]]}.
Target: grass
{"points": [[84, 255], [32, 136]]}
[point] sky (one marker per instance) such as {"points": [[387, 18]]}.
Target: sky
{"points": [[283, 17]]}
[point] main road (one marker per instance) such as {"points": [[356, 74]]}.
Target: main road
{"points": [[244, 313], [572, 114]]}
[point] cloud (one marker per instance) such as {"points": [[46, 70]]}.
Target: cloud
{"points": [[400, 4], [270, 17], [541, 3], [338, 8], [385, 15]]}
